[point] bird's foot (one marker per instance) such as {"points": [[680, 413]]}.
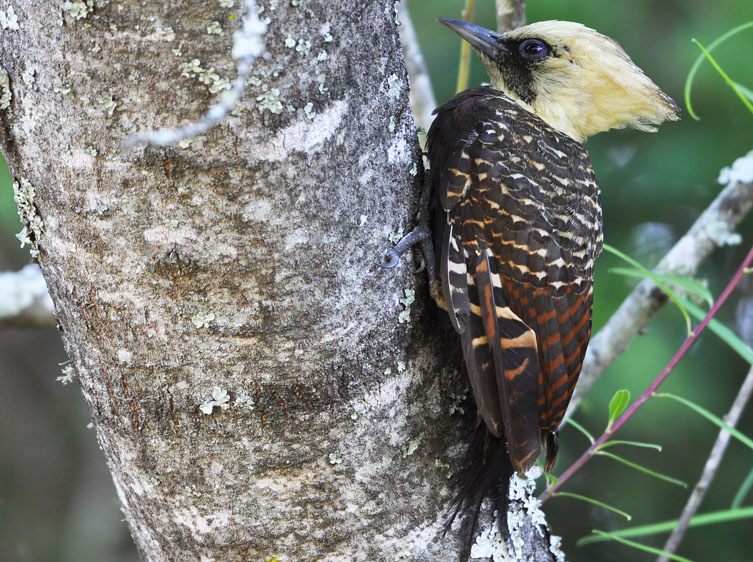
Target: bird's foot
{"points": [[419, 235]]}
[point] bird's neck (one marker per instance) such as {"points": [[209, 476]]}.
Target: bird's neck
{"points": [[559, 116]]}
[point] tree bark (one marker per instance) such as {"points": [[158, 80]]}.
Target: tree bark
{"points": [[252, 386], [511, 14]]}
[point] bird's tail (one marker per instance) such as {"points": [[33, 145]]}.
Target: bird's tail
{"points": [[486, 473]]}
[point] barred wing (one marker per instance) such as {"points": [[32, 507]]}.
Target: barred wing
{"points": [[522, 230]]}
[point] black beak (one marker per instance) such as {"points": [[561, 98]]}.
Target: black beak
{"points": [[482, 39]]}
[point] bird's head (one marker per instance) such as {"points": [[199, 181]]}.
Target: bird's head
{"points": [[579, 81]]}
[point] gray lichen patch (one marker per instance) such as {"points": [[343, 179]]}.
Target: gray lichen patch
{"points": [[215, 28], [308, 111], [69, 373], [57, 13], [220, 398], [6, 96], [64, 90], [202, 320], [491, 544], [166, 33], [412, 446], [23, 195], [524, 517], [110, 103], [206, 76], [9, 20], [79, 9], [190, 69], [29, 77], [407, 301], [302, 45], [740, 171], [555, 547], [270, 101]]}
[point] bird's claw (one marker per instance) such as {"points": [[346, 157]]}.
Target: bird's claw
{"points": [[419, 236], [391, 259]]}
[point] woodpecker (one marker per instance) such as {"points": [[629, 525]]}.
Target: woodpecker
{"points": [[518, 225]]}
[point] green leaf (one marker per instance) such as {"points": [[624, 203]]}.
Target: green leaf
{"points": [[690, 285], [648, 471], [551, 479], [632, 443], [723, 74], [617, 405], [640, 546], [655, 278], [697, 64], [727, 335], [582, 429], [743, 491], [711, 417], [711, 518], [595, 502], [744, 91]]}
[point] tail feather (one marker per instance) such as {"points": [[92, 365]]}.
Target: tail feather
{"points": [[486, 473]]}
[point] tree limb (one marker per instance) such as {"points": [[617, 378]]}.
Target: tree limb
{"points": [[510, 14], [709, 470], [422, 100], [24, 301]]}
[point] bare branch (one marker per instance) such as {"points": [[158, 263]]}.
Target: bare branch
{"points": [[510, 14], [422, 100], [24, 302], [713, 229], [709, 471], [464, 66]]}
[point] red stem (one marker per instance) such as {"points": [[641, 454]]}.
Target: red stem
{"points": [[651, 389]]}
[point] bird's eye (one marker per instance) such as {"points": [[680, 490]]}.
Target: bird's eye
{"points": [[533, 49]]}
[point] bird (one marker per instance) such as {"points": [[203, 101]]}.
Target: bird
{"points": [[518, 225]]}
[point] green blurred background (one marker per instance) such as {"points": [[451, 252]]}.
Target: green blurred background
{"points": [[57, 502]]}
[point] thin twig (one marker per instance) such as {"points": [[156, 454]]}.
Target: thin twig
{"points": [[510, 14], [422, 100], [713, 229], [709, 471], [247, 45], [655, 385], [464, 68]]}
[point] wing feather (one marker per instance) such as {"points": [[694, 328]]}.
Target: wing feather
{"points": [[453, 274], [516, 365], [522, 226]]}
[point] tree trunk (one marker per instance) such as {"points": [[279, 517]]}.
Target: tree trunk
{"points": [[247, 368]]}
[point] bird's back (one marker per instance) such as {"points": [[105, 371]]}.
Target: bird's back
{"points": [[520, 216]]}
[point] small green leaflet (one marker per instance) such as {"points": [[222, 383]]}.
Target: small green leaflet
{"points": [[617, 405], [690, 285]]}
